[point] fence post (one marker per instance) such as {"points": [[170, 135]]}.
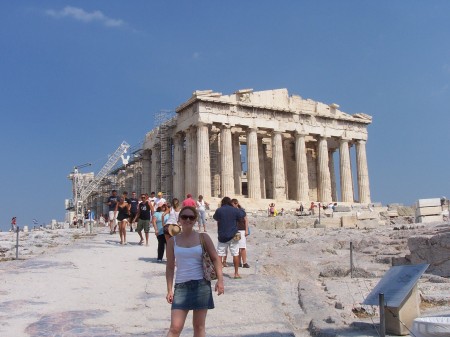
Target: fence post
{"points": [[17, 243], [351, 259]]}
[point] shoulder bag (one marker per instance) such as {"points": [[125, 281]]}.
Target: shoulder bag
{"points": [[209, 271]]}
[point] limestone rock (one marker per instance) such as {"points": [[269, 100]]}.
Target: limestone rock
{"points": [[432, 249]]}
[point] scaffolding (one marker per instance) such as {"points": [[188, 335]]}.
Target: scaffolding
{"points": [[165, 170]]}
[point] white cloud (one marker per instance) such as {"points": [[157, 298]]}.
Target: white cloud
{"points": [[81, 15]]}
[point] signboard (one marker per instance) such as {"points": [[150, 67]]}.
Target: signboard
{"points": [[396, 284]]}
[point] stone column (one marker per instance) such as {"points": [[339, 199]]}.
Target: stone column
{"points": [[262, 168], [253, 179], [146, 172], [302, 168], [237, 165], [324, 180], [345, 171], [189, 167], [332, 174], [203, 161], [363, 172], [227, 179], [156, 169], [178, 167], [279, 177], [152, 171]]}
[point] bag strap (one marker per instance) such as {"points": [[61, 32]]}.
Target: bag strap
{"points": [[202, 242]]}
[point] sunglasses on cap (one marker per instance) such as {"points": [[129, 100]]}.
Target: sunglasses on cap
{"points": [[190, 217]]}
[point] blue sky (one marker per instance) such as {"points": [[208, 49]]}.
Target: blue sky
{"points": [[77, 78]]}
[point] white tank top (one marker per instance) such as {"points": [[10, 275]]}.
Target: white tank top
{"points": [[173, 217], [189, 263]]}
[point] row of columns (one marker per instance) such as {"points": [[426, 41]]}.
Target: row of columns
{"points": [[192, 174]]}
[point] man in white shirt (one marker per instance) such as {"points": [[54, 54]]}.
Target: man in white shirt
{"points": [[159, 200]]}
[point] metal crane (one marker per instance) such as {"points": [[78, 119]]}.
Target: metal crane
{"points": [[82, 192]]}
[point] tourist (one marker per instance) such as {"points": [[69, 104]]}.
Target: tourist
{"points": [[172, 217], [159, 200], [14, 224], [201, 209], [189, 201], [102, 221], [272, 209], [151, 198], [112, 203], [191, 291], [242, 225], [301, 209], [144, 212], [122, 214], [227, 217], [133, 209], [158, 222]]}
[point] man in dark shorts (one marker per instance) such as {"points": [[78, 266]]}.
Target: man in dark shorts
{"points": [[134, 202], [227, 217], [144, 212], [112, 201]]}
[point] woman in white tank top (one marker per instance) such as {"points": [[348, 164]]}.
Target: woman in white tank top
{"points": [[173, 217], [191, 290]]}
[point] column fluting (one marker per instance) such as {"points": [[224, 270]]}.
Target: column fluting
{"points": [[324, 180], [345, 172], [226, 177], [301, 168], [279, 178], [363, 172], [253, 178], [203, 161]]}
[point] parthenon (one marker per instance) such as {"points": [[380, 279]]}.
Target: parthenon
{"points": [[251, 144]]}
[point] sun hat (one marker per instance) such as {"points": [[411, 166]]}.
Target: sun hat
{"points": [[174, 229]]}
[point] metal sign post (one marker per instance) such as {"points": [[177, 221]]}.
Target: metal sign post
{"points": [[382, 315]]}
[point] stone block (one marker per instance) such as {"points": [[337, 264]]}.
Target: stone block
{"points": [[392, 213], [399, 320], [349, 221], [434, 210], [429, 218], [341, 214], [369, 223], [328, 212], [342, 209], [428, 202], [329, 223], [367, 215]]}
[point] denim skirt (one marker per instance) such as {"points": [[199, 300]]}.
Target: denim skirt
{"points": [[193, 295]]}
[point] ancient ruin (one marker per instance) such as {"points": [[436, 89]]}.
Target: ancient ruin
{"points": [[253, 144]]}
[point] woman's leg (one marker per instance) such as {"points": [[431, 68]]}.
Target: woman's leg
{"points": [[124, 230], [198, 322], [161, 246], [177, 319], [120, 232], [203, 216]]}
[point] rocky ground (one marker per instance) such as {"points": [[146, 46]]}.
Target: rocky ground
{"points": [[299, 283], [311, 268]]}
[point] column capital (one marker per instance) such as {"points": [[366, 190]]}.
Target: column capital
{"points": [[300, 134]]}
